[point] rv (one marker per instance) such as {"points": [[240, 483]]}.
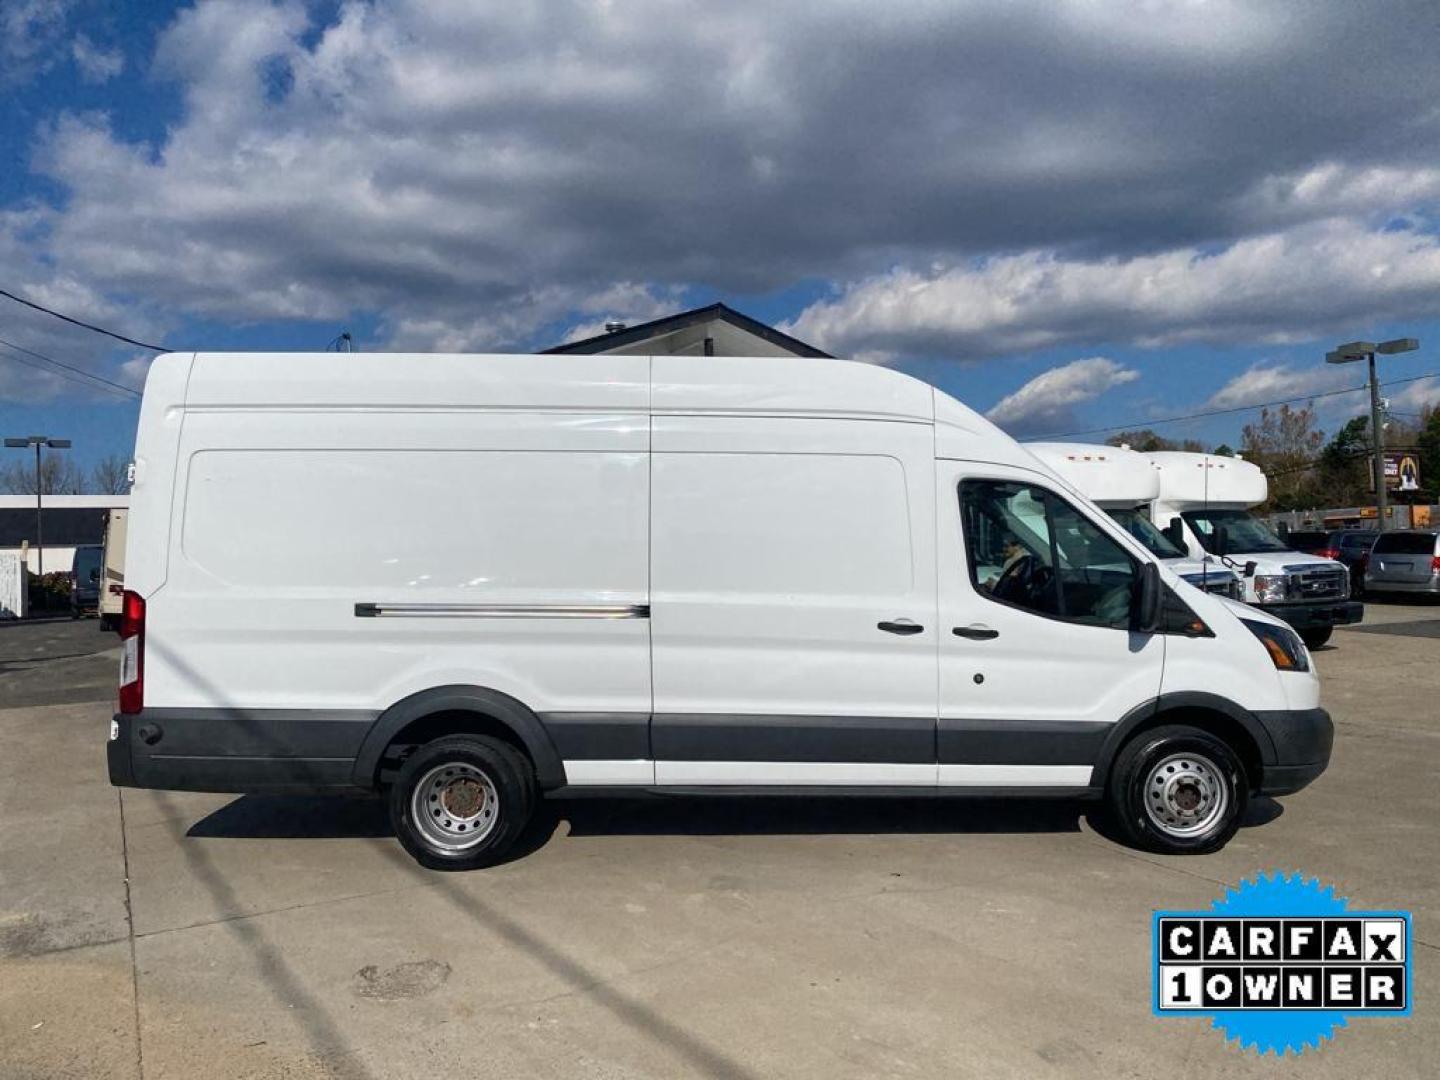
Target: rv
{"points": [[467, 583], [1124, 484], [1204, 504], [112, 583]]}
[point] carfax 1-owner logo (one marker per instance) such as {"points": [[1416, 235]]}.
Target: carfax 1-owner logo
{"points": [[1281, 963]]}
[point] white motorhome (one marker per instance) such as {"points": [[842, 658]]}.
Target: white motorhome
{"points": [[469, 582], [1204, 504], [1124, 484], [112, 585]]}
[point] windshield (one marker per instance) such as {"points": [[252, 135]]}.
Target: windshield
{"points": [[1244, 534], [1143, 529]]}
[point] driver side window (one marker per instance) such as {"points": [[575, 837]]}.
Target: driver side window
{"points": [[1030, 549]]}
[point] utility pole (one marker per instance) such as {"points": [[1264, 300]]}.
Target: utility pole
{"points": [[1366, 350], [39, 441]]}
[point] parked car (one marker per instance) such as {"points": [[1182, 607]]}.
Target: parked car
{"points": [[85, 580], [468, 583], [1352, 548], [1308, 542], [1405, 561]]}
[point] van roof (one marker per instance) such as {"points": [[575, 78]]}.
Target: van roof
{"points": [[1107, 475], [762, 385], [1209, 479]]}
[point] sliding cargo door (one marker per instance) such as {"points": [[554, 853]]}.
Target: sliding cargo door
{"points": [[792, 602]]}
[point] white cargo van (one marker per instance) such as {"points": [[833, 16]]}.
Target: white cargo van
{"points": [[1124, 484], [1204, 504], [469, 582]]}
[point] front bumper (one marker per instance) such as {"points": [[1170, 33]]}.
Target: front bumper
{"points": [[1317, 616], [1302, 740]]}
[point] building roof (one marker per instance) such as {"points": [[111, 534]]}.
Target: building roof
{"points": [[64, 526], [65, 502], [628, 339]]}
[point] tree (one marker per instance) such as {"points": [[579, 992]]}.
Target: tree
{"points": [[58, 475], [1345, 464], [1147, 441], [1224, 450], [1427, 443], [110, 476], [1284, 443]]}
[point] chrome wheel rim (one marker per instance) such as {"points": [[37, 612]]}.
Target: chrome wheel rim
{"points": [[455, 806], [1185, 795]]}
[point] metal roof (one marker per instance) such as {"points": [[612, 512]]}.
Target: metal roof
{"points": [[669, 324]]}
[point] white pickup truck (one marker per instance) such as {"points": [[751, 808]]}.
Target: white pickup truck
{"points": [[1204, 504]]}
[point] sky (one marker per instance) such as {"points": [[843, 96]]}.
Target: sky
{"points": [[1070, 214]]}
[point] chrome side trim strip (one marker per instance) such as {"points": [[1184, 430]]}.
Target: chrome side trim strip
{"points": [[504, 611]]}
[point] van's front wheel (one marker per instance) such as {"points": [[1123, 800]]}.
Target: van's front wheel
{"points": [[1178, 790], [461, 802]]}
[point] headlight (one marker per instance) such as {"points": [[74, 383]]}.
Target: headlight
{"points": [[1270, 588], [1286, 649]]}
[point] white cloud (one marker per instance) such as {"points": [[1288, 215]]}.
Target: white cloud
{"points": [[29, 29], [1263, 383], [96, 65], [473, 176], [1048, 400], [1287, 286]]}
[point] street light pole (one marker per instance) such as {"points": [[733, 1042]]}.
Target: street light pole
{"points": [[1377, 445], [1366, 350], [38, 441]]}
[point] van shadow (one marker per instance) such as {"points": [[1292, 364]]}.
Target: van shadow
{"points": [[304, 817]]}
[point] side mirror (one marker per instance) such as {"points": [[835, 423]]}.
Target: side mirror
{"points": [[1148, 600], [1175, 533], [1250, 568], [1222, 541]]}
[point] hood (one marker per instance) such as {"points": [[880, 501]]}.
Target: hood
{"points": [[1245, 611]]}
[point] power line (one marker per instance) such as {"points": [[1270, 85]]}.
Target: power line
{"points": [[1237, 409], [111, 387], [81, 322]]}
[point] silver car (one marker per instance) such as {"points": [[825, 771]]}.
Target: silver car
{"points": [[1407, 561]]}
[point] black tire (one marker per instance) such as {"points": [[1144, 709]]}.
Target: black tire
{"points": [[507, 771], [1126, 792], [1315, 638]]}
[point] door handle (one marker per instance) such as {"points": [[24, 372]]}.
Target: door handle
{"points": [[976, 633], [903, 627]]}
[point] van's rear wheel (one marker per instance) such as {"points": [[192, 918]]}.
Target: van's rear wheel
{"points": [[1178, 790], [461, 802], [1315, 638]]}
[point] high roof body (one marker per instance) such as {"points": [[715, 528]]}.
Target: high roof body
{"points": [[756, 386]]}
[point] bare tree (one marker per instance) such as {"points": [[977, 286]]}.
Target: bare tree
{"points": [[1285, 443], [58, 476], [110, 476]]}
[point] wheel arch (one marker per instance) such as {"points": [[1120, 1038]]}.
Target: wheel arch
{"points": [[1218, 715], [459, 710]]}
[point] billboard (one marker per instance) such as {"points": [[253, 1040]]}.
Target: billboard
{"points": [[1402, 471]]}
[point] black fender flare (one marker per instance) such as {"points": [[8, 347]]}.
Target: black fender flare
{"points": [[499, 707], [1187, 699]]}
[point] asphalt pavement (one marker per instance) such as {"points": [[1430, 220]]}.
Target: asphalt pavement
{"points": [[150, 934]]}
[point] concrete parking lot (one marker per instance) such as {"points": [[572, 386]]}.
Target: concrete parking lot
{"points": [[149, 934]]}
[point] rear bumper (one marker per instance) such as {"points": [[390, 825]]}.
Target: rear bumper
{"points": [[1302, 740], [1431, 587], [234, 750], [1317, 616]]}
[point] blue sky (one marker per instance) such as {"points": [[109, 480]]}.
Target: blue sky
{"points": [[1178, 208]]}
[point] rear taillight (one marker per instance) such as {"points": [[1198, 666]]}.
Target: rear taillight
{"points": [[1328, 553], [132, 652], [1435, 563]]}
